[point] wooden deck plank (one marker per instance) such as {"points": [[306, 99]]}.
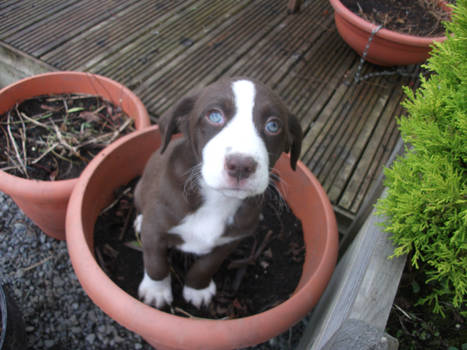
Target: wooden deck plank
{"points": [[376, 153], [183, 29], [205, 62], [284, 47], [142, 49], [322, 128], [309, 79], [161, 50], [367, 168], [338, 114], [352, 145], [163, 45], [110, 35], [18, 15], [59, 27], [377, 149]]}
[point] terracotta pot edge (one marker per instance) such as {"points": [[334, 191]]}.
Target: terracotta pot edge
{"points": [[78, 245], [387, 34], [55, 189]]}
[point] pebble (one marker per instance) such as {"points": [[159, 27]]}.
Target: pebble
{"points": [[90, 338], [57, 312]]}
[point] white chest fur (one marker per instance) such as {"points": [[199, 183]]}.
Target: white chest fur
{"points": [[203, 229]]}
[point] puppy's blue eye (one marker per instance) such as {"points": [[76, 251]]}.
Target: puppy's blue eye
{"points": [[273, 126], [215, 117]]}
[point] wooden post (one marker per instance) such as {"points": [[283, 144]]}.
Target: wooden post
{"points": [[363, 287], [16, 65], [294, 6]]}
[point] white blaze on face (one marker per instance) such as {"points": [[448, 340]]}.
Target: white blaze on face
{"points": [[238, 137]]}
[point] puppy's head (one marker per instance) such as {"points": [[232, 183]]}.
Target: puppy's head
{"points": [[237, 128]]}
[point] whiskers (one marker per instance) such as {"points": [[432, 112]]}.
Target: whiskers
{"points": [[192, 181], [273, 194]]}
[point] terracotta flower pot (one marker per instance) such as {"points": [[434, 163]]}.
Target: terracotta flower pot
{"points": [[388, 48], [45, 202], [165, 331]]}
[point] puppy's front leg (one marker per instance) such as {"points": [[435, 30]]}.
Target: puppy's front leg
{"points": [[155, 288], [199, 286]]}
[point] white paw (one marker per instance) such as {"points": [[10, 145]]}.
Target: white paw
{"points": [[137, 223], [156, 293], [200, 297]]}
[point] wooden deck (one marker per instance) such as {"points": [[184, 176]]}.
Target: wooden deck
{"points": [[161, 49]]}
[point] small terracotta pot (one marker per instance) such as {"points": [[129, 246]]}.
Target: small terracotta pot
{"points": [[129, 155], [45, 202], [388, 48]]}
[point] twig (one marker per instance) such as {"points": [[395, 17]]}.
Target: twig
{"points": [[15, 146], [264, 243], [34, 121], [65, 144], [187, 314], [58, 155], [134, 245], [30, 120], [403, 312], [33, 266], [23, 141], [125, 225], [101, 261], [120, 129], [10, 160], [120, 196], [50, 149], [255, 253], [71, 97], [241, 272], [25, 151]]}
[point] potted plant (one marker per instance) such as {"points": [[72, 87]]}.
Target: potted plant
{"points": [[426, 205], [162, 330], [385, 47], [45, 201], [12, 331]]}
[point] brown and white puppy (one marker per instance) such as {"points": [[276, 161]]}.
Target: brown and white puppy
{"points": [[201, 193]]}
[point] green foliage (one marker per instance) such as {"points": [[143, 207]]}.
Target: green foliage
{"points": [[426, 205]]}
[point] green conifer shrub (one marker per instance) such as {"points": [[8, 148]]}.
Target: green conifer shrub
{"points": [[426, 204]]}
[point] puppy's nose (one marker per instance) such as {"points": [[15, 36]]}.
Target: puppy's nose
{"points": [[239, 166]]}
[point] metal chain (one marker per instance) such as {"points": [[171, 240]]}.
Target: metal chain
{"points": [[358, 78], [365, 52]]}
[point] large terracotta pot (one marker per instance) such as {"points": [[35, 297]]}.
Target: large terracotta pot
{"points": [[45, 202], [125, 159], [388, 48]]}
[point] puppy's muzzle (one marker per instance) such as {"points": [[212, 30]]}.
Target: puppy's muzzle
{"points": [[240, 167]]}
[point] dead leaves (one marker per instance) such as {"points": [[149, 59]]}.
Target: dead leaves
{"points": [[53, 137]]}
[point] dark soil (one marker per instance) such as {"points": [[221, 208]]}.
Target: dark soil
{"points": [[416, 326], [54, 137], [244, 286], [414, 17]]}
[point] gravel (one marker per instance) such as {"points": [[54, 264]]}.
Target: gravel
{"points": [[57, 312]]}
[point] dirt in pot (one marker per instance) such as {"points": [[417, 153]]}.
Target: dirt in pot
{"points": [[417, 17], [262, 273], [53, 137]]}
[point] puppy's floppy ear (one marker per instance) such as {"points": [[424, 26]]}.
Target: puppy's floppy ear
{"points": [[295, 140], [175, 119]]}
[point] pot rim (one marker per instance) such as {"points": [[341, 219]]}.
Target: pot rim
{"points": [[54, 189], [148, 318], [342, 10]]}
